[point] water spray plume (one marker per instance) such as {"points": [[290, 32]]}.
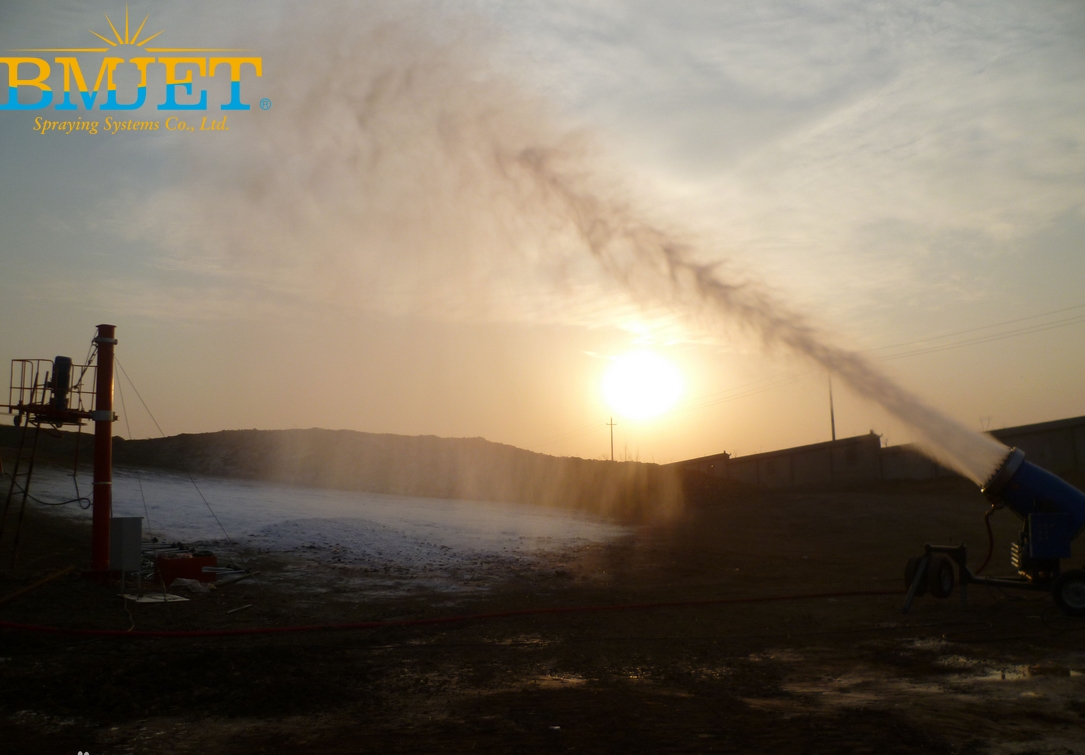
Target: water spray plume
{"points": [[628, 248], [412, 167]]}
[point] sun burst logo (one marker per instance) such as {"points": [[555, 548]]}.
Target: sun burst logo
{"points": [[180, 71], [126, 40]]}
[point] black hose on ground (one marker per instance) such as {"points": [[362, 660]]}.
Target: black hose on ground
{"points": [[990, 537]]}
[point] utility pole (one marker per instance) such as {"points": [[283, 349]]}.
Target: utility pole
{"points": [[832, 416], [611, 425]]}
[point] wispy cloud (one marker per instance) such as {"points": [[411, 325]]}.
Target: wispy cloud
{"points": [[889, 149]]}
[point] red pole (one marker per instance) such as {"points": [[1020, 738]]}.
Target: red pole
{"points": [[103, 451]]}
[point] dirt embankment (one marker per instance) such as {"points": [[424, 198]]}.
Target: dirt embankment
{"points": [[463, 468]]}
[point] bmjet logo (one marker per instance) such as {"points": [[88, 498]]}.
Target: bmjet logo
{"points": [[185, 70]]}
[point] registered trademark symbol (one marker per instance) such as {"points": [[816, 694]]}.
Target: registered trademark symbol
{"points": [[265, 104]]}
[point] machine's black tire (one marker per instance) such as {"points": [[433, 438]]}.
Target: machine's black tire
{"points": [[909, 575], [940, 576], [1069, 592]]}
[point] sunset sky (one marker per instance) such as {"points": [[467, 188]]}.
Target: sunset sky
{"points": [[910, 177]]}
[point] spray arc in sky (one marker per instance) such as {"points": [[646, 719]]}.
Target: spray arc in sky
{"points": [[659, 268], [416, 178]]}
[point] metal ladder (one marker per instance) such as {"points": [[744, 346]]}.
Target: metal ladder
{"points": [[27, 455]]}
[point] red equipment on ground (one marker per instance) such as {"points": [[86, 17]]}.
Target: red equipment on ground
{"points": [[169, 567]]}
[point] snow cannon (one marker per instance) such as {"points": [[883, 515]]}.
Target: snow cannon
{"points": [[1053, 513], [1053, 510]]}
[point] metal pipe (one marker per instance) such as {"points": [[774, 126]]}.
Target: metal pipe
{"points": [[103, 451]]}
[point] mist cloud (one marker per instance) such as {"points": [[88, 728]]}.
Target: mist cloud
{"points": [[411, 176]]}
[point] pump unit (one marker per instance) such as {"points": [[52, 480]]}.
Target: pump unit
{"points": [[1053, 514]]}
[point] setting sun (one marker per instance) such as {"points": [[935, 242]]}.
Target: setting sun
{"points": [[641, 385]]}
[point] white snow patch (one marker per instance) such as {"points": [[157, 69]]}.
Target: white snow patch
{"points": [[401, 535]]}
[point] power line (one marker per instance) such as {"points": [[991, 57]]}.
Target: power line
{"points": [[787, 379], [990, 338], [772, 382], [983, 327], [187, 473], [139, 478]]}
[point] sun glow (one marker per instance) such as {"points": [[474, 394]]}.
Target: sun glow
{"points": [[641, 385]]}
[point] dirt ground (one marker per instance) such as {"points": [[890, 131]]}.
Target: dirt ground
{"points": [[1004, 673]]}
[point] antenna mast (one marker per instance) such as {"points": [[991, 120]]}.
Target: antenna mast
{"points": [[832, 416]]}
